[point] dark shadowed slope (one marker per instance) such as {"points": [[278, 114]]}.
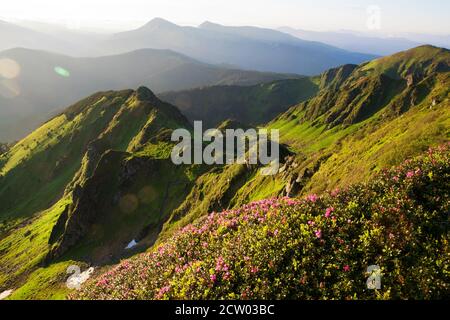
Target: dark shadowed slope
{"points": [[251, 105]]}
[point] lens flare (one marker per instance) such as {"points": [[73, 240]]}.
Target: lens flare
{"points": [[9, 68], [9, 88], [62, 72], [129, 203], [147, 195]]}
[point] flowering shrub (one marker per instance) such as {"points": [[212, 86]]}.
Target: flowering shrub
{"points": [[314, 248]]}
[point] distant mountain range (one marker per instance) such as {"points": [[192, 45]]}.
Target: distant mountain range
{"points": [[367, 43], [47, 81], [244, 47], [15, 36], [59, 39]]}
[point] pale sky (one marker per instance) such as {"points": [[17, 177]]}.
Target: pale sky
{"points": [[419, 16]]}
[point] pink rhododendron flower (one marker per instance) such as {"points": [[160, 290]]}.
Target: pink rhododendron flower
{"points": [[162, 291], [335, 192], [318, 234], [328, 212]]}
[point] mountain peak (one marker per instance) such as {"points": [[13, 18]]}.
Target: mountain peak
{"points": [[159, 22], [426, 48], [421, 61], [145, 94], [209, 25]]}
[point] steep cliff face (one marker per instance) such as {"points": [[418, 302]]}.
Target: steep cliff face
{"points": [[126, 198]]}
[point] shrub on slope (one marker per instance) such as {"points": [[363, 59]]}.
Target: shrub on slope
{"points": [[313, 248]]}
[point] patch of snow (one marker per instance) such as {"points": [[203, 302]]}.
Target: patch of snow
{"points": [[5, 294], [131, 245]]}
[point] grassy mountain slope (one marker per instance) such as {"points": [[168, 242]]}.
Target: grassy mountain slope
{"points": [[46, 82], [383, 112], [47, 159], [83, 148], [330, 155], [253, 105], [390, 120], [110, 180], [313, 248]]}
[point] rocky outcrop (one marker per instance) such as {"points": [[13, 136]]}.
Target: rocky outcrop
{"points": [[89, 200]]}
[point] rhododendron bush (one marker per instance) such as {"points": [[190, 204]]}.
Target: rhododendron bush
{"points": [[318, 247]]}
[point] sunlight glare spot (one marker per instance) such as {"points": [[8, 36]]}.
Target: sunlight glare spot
{"points": [[62, 72], [9, 88], [9, 68], [129, 203]]}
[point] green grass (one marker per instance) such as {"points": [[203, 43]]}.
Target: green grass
{"points": [[47, 283], [37, 170], [24, 249]]}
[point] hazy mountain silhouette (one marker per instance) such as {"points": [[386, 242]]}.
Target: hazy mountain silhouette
{"points": [[371, 44], [47, 82], [13, 36], [247, 47]]}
